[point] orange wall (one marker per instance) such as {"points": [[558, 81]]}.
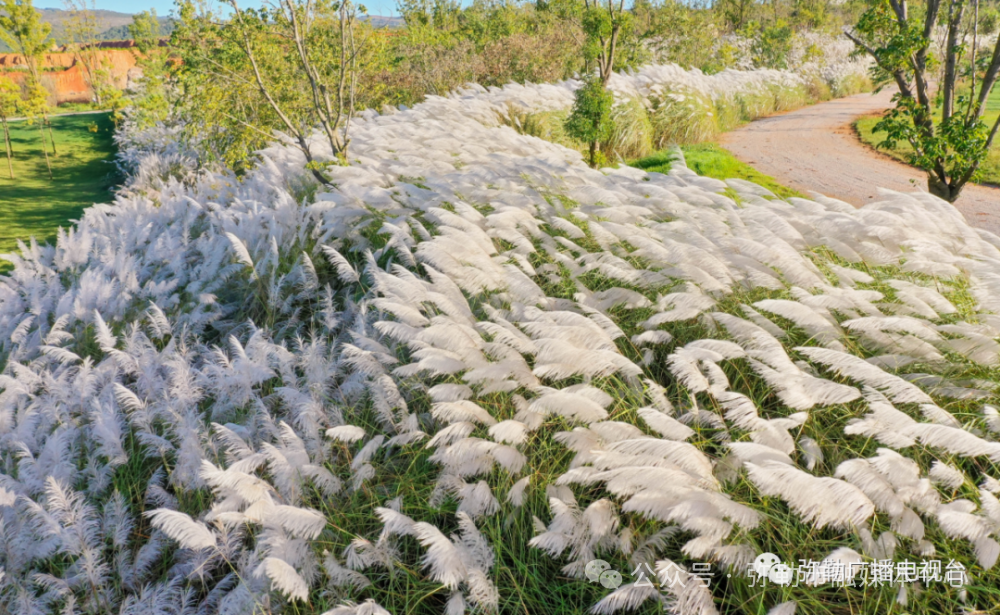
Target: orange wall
{"points": [[70, 84]]}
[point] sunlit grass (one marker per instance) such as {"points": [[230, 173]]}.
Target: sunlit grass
{"points": [[712, 160], [31, 204]]}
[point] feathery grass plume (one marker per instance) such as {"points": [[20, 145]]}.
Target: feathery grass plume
{"points": [[813, 323], [180, 527], [628, 597], [368, 607], [785, 608], [946, 475], [820, 501], [242, 254], [849, 366], [284, 577], [687, 593]]}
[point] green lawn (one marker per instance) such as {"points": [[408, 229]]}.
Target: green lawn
{"points": [[711, 160], [33, 205], [989, 170]]}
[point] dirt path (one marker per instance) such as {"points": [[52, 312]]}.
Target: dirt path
{"points": [[814, 148]]}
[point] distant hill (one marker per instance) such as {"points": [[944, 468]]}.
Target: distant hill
{"points": [[386, 22], [114, 25]]}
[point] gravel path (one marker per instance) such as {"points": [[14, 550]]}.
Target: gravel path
{"points": [[814, 148]]}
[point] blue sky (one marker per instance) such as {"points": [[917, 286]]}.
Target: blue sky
{"points": [[163, 7]]}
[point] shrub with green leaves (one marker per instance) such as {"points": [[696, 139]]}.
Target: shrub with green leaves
{"points": [[590, 120]]}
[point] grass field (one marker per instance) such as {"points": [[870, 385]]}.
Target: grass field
{"points": [[989, 170], [33, 205], [711, 160]]}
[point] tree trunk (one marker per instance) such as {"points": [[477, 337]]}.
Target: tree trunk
{"points": [[7, 149], [943, 190], [51, 138], [593, 153], [45, 150]]}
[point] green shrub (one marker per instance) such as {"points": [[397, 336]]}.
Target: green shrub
{"points": [[631, 133], [683, 116], [590, 119], [728, 113]]}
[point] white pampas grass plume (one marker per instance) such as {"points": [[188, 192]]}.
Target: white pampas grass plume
{"points": [[451, 434], [443, 558], [990, 484], [807, 318], [516, 494], [284, 578], [946, 475], [303, 522], [509, 432], [242, 254], [626, 598], [651, 338], [455, 605], [395, 522], [345, 270], [688, 595], [811, 451], [667, 426], [368, 607], [992, 419], [105, 338], [861, 474], [585, 404], [849, 366], [820, 501], [785, 608], [954, 440], [182, 528], [462, 411], [345, 433]]}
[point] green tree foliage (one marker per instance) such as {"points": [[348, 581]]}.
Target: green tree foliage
{"points": [[149, 102], [610, 45], [294, 67], [590, 119], [491, 42], [10, 99], [35, 107], [84, 28], [950, 141], [22, 29]]}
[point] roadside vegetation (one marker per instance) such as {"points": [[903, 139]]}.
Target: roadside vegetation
{"points": [[988, 172]]}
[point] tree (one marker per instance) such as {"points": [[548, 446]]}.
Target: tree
{"points": [[148, 101], [83, 28], [590, 119], [35, 105], [10, 97], [950, 148], [605, 27], [292, 67], [22, 28], [145, 31]]}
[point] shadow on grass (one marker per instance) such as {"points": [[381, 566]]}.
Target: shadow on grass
{"points": [[32, 205]]}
